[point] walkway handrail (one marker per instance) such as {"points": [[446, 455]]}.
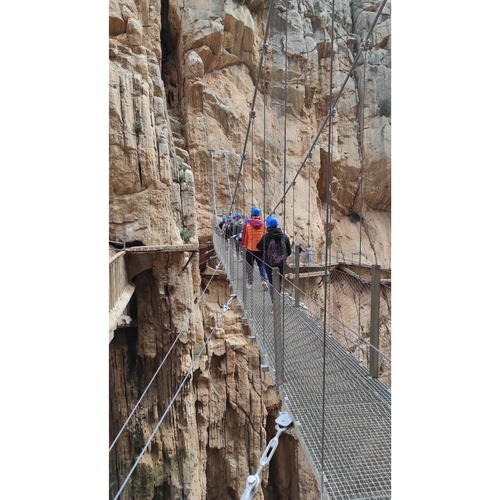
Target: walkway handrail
{"points": [[294, 350]]}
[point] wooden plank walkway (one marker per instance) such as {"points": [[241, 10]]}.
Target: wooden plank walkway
{"points": [[164, 248]]}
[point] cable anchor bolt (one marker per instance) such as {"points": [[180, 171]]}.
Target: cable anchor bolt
{"points": [[284, 421]]}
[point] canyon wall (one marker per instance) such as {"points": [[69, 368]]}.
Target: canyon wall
{"points": [[181, 86]]}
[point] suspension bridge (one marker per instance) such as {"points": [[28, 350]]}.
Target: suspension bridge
{"points": [[324, 368], [341, 415], [341, 411]]}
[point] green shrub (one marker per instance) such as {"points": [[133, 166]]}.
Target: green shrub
{"points": [[385, 108], [137, 126]]}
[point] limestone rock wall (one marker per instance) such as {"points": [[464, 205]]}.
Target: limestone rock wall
{"points": [[218, 69], [181, 85]]}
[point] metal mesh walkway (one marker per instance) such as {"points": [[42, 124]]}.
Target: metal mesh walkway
{"points": [[341, 416]]}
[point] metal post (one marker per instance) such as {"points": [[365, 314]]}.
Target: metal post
{"points": [[374, 320], [278, 336], [296, 278], [244, 280]]}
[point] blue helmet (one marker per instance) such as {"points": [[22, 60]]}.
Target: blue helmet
{"points": [[255, 211], [272, 222], [237, 215], [223, 219], [247, 219], [231, 219]]}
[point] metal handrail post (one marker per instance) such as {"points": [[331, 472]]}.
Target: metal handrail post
{"points": [[296, 277], [278, 328], [374, 320], [244, 280]]}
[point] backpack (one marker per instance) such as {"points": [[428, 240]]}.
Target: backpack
{"points": [[276, 253]]}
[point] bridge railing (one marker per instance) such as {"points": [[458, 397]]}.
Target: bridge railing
{"points": [[320, 373], [341, 257], [347, 316]]}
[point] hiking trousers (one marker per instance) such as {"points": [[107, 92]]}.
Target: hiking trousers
{"points": [[269, 272], [251, 258]]}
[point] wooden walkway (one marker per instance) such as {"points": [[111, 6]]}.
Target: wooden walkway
{"points": [[124, 266]]}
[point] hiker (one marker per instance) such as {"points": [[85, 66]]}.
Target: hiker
{"points": [[222, 222], [242, 234], [309, 253], [237, 228], [228, 229], [301, 251], [253, 230], [276, 247]]}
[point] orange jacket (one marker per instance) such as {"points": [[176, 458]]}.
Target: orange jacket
{"points": [[252, 233]]}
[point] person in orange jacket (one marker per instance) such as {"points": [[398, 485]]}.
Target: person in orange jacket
{"points": [[252, 233]]}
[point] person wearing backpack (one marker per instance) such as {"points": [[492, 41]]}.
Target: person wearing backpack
{"points": [[276, 247]]}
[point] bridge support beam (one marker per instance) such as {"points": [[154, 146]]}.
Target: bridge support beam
{"points": [[374, 320]]}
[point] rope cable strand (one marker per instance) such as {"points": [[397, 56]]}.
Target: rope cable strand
{"points": [[225, 308], [163, 361]]}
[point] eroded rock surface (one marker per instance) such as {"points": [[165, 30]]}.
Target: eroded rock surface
{"points": [[181, 84]]}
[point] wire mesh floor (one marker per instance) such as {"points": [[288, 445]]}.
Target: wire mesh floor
{"points": [[342, 417]]}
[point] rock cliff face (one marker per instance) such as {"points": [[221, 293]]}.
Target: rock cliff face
{"points": [[181, 86]]}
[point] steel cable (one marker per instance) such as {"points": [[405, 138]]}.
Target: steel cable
{"points": [[353, 66], [252, 108], [327, 229], [225, 308], [164, 359]]}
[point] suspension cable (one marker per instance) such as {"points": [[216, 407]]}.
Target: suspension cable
{"points": [[327, 230], [224, 155], [164, 359], [285, 117], [264, 48], [309, 244], [252, 108], [282, 279], [309, 199], [193, 364], [363, 48], [253, 159], [212, 152], [353, 66]]}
